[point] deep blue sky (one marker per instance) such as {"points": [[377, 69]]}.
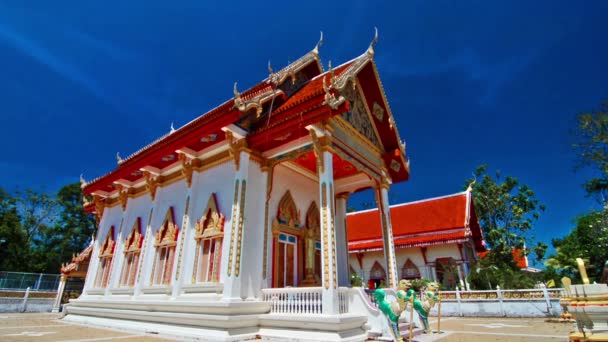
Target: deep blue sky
{"points": [[469, 83]]}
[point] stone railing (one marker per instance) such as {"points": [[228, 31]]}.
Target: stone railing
{"points": [[541, 302], [525, 294], [301, 300]]}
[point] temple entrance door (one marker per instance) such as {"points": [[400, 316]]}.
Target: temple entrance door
{"points": [[287, 260]]}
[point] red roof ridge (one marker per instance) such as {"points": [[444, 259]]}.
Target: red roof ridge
{"points": [[260, 87], [410, 203]]}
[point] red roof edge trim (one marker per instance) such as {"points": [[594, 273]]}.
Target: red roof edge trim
{"points": [[408, 203]]}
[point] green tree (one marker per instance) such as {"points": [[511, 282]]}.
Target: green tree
{"points": [[72, 229], [14, 250], [592, 148], [589, 241], [506, 211]]}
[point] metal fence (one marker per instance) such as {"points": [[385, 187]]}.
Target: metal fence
{"points": [[35, 281]]}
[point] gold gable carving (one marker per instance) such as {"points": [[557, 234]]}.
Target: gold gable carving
{"points": [[167, 234], [107, 249], [211, 224], [358, 116], [133, 241]]}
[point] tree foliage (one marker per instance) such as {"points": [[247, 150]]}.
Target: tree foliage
{"points": [[592, 149], [589, 238], [39, 231], [588, 241], [506, 211]]}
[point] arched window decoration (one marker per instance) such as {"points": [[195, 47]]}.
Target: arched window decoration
{"points": [[132, 251], [288, 212], [312, 247], [377, 272], [208, 235], [288, 249], [377, 276], [106, 253], [165, 242], [409, 270]]}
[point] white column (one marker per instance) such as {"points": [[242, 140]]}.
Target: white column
{"points": [[89, 281], [329, 280], [459, 270], [387, 233], [434, 273], [57, 304], [117, 258], [233, 232], [177, 274], [342, 241], [146, 255]]}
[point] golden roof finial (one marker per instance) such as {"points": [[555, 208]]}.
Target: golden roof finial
{"points": [[172, 128], [470, 188], [316, 49], [118, 158], [370, 49], [83, 182]]}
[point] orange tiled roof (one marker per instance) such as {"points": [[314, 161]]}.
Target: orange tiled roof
{"points": [[520, 259], [422, 223]]}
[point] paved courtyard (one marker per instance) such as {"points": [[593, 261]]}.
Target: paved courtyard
{"points": [[48, 327]]}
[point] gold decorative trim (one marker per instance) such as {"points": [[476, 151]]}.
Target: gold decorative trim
{"points": [[99, 207], [333, 231], [182, 234], [187, 167], [235, 147], [331, 100], [320, 145], [240, 233], [234, 218], [152, 183], [325, 235], [269, 178], [133, 240], [166, 235], [123, 196]]}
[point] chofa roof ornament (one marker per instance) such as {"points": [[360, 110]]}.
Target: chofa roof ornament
{"points": [[316, 49], [370, 49]]}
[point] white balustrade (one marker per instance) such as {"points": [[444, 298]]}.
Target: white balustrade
{"points": [[343, 298], [302, 300], [296, 300]]}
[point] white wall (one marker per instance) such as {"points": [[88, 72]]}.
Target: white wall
{"points": [[303, 190]]}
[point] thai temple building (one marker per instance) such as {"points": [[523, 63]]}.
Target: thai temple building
{"points": [[437, 238], [234, 226]]}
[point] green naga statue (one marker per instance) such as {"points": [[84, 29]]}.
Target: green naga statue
{"points": [[390, 311], [405, 294]]}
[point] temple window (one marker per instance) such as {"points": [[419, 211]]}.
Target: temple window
{"points": [[409, 270], [165, 242], [106, 253], [377, 276], [132, 251], [447, 272], [209, 234], [288, 251]]}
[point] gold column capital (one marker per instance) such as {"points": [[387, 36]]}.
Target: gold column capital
{"points": [[343, 195]]}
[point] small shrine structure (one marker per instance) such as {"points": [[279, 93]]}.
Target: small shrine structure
{"points": [[437, 239]]}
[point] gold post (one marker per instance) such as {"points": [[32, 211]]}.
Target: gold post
{"points": [[412, 318], [439, 316]]}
